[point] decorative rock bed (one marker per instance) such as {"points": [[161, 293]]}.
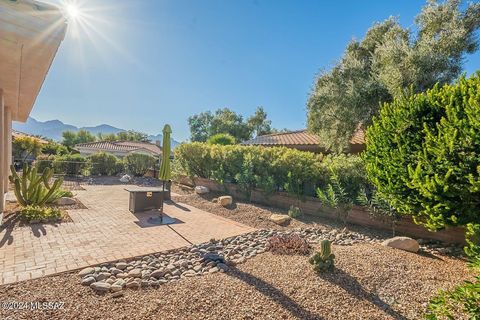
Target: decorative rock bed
{"points": [[211, 257]]}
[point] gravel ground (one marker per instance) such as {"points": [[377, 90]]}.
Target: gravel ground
{"points": [[254, 215], [370, 282]]}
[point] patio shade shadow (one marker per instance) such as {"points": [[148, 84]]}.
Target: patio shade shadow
{"points": [[143, 217], [275, 294], [348, 283], [179, 206]]}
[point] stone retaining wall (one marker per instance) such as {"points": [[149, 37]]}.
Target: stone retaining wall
{"points": [[312, 206]]}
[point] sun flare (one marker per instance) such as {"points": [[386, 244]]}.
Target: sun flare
{"points": [[73, 12]]}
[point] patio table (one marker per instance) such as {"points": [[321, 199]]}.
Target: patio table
{"points": [[143, 199]]}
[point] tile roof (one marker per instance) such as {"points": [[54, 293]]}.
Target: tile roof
{"points": [[19, 134], [297, 138], [125, 146]]}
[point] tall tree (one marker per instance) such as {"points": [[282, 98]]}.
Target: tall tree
{"points": [[389, 60], [259, 123], [225, 121], [200, 126], [70, 138], [24, 147]]}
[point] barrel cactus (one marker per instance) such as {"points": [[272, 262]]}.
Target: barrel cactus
{"points": [[33, 189], [325, 259]]}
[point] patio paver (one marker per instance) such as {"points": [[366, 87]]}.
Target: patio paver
{"points": [[106, 231]]}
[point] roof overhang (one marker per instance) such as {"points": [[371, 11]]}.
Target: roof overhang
{"points": [[30, 34]]}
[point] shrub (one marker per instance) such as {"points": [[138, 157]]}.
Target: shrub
{"points": [[423, 154], [104, 164], [349, 170], [288, 244], [270, 169], [335, 197], [53, 148], [223, 139], [44, 161], [324, 259], [294, 212], [379, 208], [138, 164], [71, 164], [40, 214]]}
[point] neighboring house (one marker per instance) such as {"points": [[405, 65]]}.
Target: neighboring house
{"points": [[19, 134], [30, 34], [304, 141], [18, 157], [119, 148]]}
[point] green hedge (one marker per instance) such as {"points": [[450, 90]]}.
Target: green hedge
{"points": [[104, 164], [270, 169], [71, 164], [423, 154], [138, 164]]}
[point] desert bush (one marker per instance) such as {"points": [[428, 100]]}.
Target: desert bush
{"points": [[138, 164], [423, 154], [379, 208], [336, 197], [70, 164], [40, 214], [294, 212], [104, 164], [288, 244], [223, 139]]}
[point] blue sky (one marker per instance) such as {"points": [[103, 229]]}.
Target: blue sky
{"points": [[140, 64]]}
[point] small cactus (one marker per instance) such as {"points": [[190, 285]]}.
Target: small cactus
{"points": [[33, 189], [325, 259]]}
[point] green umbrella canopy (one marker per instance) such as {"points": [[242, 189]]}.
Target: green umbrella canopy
{"points": [[165, 174]]}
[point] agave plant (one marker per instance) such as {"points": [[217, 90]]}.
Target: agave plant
{"points": [[33, 189]]}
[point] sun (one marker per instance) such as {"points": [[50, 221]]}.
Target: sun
{"points": [[73, 12]]}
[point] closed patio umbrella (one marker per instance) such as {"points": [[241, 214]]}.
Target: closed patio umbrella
{"points": [[165, 173]]}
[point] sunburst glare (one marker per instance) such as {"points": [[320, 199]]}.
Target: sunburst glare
{"points": [[95, 29]]}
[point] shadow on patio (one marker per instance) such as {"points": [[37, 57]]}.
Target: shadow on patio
{"points": [[8, 225]]}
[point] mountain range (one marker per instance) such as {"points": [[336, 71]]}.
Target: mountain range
{"points": [[53, 129]]}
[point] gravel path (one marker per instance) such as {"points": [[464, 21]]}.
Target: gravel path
{"points": [[370, 282]]}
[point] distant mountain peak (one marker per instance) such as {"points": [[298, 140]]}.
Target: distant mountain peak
{"points": [[53, 129]]}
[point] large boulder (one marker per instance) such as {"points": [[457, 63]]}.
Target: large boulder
{"points": [[125, 179], [65, 201], [402, 243], [225, 200], [280, 219], [201, 190]]}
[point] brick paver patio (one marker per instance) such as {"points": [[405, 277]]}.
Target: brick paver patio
{"points": [[106, 231]]}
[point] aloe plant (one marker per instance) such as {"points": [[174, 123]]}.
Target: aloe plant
{"points": [[324, 259], [33, 189]]}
